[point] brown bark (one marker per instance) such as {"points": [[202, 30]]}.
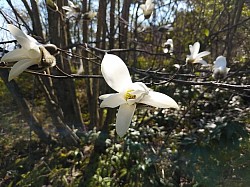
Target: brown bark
{"points": [[65, 89], [112, 24], [111, 112], [95, 69], [235, 18], [37, 25], [123, 25]]}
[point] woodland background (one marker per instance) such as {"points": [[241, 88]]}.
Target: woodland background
{"points": [[53, 132]]}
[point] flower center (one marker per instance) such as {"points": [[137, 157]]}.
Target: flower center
{"points": [[191, 60], [128, 95]]}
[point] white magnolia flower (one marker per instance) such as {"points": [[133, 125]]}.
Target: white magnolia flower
{"points": [[72, 10], [168, 46], [31, 53], [220, 69], [166, 28], [147, 8], [117, 76], [195, 56], [89, 15]]}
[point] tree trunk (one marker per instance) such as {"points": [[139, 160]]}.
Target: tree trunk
{"points": [[37, 26], [235, 18], [111, 112], [123, 26], [95, 83], [65, 88]]}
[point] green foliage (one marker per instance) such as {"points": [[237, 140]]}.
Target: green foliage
{"points": [[210, 156]]}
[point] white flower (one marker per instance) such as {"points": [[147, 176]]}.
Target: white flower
{"points": [[147, 8], [72, 10], [168, 46], [195, 56], [117, 76], [166, 28], [31, 53], [89, 15], [220, 69]]}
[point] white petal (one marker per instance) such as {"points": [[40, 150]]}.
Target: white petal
{"points": [[15, 55], [70, 14], [177, 66], [149, 3], [124, 118], [191, 50], [196, 48], [112, 100], [67, 8], [159, 100], [202, 54], [71, 4], [19, 67], [102, 97], [115, 72], [150, 7], [143, 6], [24, 40], [165, 50], [169, 42], [36, 55], [220, 62]]}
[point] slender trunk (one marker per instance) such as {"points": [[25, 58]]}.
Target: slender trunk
{"points": [[123, 26], [95, 83], [111, 112], [65, 89], [112, 24], [236, 15], [37, 25]]}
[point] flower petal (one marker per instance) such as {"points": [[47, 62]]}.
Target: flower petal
{"points": [[165, 50], [191, 50], [15, 55], [220, 62], [24, 40], [143, 7], [150, 6], [202, 54], [71, 4], [67, 8], [115, 72], [19, 67], [112, 100], [124, 118], [159, 100], [195, 49]]}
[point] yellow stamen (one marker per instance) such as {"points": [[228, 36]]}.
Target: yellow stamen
{"points": [[128, 95]]}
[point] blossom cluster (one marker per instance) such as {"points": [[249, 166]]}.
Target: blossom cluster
{"points": [[114, 71], [74, 11]]}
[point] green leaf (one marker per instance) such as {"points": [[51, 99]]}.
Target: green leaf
{"points": [[206, 32], [123, 172]]}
